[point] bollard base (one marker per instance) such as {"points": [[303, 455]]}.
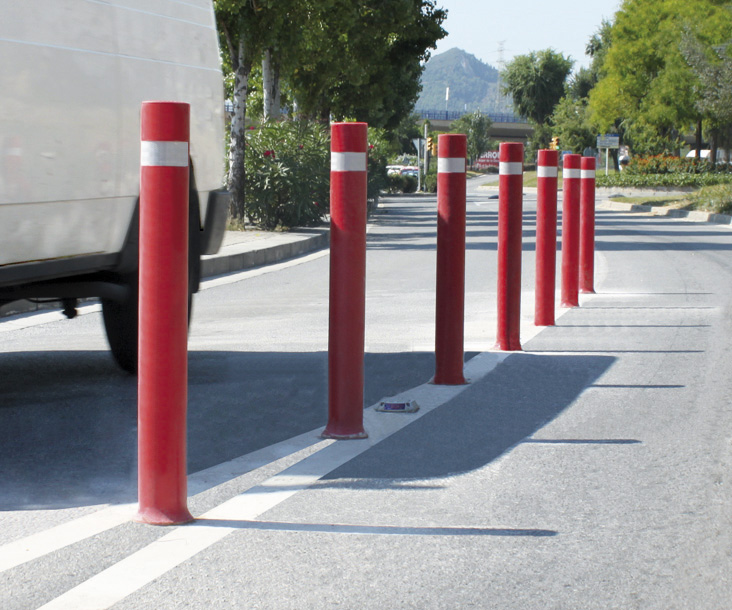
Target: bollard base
{"points": [[154, 516], [507, 347], [441, 381], [569, 304], [344, 437], [587, 291]]}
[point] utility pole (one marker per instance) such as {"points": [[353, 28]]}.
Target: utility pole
{"points": [[426, 157]]}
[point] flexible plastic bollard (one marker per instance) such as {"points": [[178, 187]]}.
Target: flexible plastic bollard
{"points": [[510, 208], [587, 226], [163, 314], [570, 230], [546, 238], [346, 333], [450, 298]]}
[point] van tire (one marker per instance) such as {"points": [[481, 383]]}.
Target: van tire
{"points": [[121, 318]]}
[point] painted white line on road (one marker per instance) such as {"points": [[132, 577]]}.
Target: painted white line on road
{"points": [[32, 547], [143, 567], [37, 545]]}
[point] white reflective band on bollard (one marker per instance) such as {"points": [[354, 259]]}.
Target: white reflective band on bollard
{"points": [[546, 171], [163, 154], [514, 168], [348, 161], [571, 173], [588, 173], [450, 165]]}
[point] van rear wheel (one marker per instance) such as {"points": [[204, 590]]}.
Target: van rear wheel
{"points": [[121, 318], [121, 321]]}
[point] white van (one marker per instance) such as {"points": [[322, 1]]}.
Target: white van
{"points": [[72, 79]]}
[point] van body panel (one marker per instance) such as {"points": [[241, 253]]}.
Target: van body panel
{"points": [[75, 73]]}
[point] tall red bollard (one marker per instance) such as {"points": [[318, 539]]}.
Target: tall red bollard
{"points": [[587, 226], [510, 208], [347, 281], [546, 237], [163, 327], [570, 230], [450, 310]]}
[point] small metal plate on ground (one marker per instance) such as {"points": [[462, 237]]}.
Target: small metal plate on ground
{"points": [[410, 406]]}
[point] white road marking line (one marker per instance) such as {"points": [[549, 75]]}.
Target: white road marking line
{"points": [[141, 568], [37, 545]]}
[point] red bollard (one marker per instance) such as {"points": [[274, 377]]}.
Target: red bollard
{"points": [[163, 327], [587, 226], [546, 237], [450, 309], [347, 281], [510, 204], [570, 230]]}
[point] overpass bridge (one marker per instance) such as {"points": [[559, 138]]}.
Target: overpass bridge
{"points": [[506, 127]]}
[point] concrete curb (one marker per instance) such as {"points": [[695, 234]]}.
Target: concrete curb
{"points": [[693, 215], [269, 248], [264, 252]]}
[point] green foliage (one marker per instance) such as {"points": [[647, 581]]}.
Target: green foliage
{"points": [[540, 138], [400, 183], [287, 174], [647, 87], [379, 152], [476, 126], [571, 125], [340, 58], [624, 179], [717, 198], [363, 59], [536, 83], [430, 180], [669, 164]]}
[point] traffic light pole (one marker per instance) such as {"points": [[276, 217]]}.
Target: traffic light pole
{"points": [[426, 153]]}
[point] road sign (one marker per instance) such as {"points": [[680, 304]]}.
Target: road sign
{"points": [[608, 140]]}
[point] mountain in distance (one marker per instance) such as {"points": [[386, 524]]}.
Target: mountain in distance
{"points": [[474, 85]]}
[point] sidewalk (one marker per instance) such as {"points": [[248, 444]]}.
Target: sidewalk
{"points": [[240, 250]]}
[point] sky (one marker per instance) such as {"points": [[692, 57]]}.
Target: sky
{"points": [[482, 27]]}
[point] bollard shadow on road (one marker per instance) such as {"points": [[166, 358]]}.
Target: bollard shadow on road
{"points": [[493, 415], [68, 420]]}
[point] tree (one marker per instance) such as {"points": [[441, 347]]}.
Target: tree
{"points": [[346, 58], [713, 70], [364, 60], [536, 83], [571, 125], [646, 85], [476, 126], [240, 25]]}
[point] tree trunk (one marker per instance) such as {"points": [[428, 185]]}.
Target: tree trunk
{"points": [[698, 143], [713, 145], [237, 142], [271, 86]]}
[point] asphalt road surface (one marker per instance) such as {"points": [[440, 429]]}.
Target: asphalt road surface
{"points": [[591, 470]]}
